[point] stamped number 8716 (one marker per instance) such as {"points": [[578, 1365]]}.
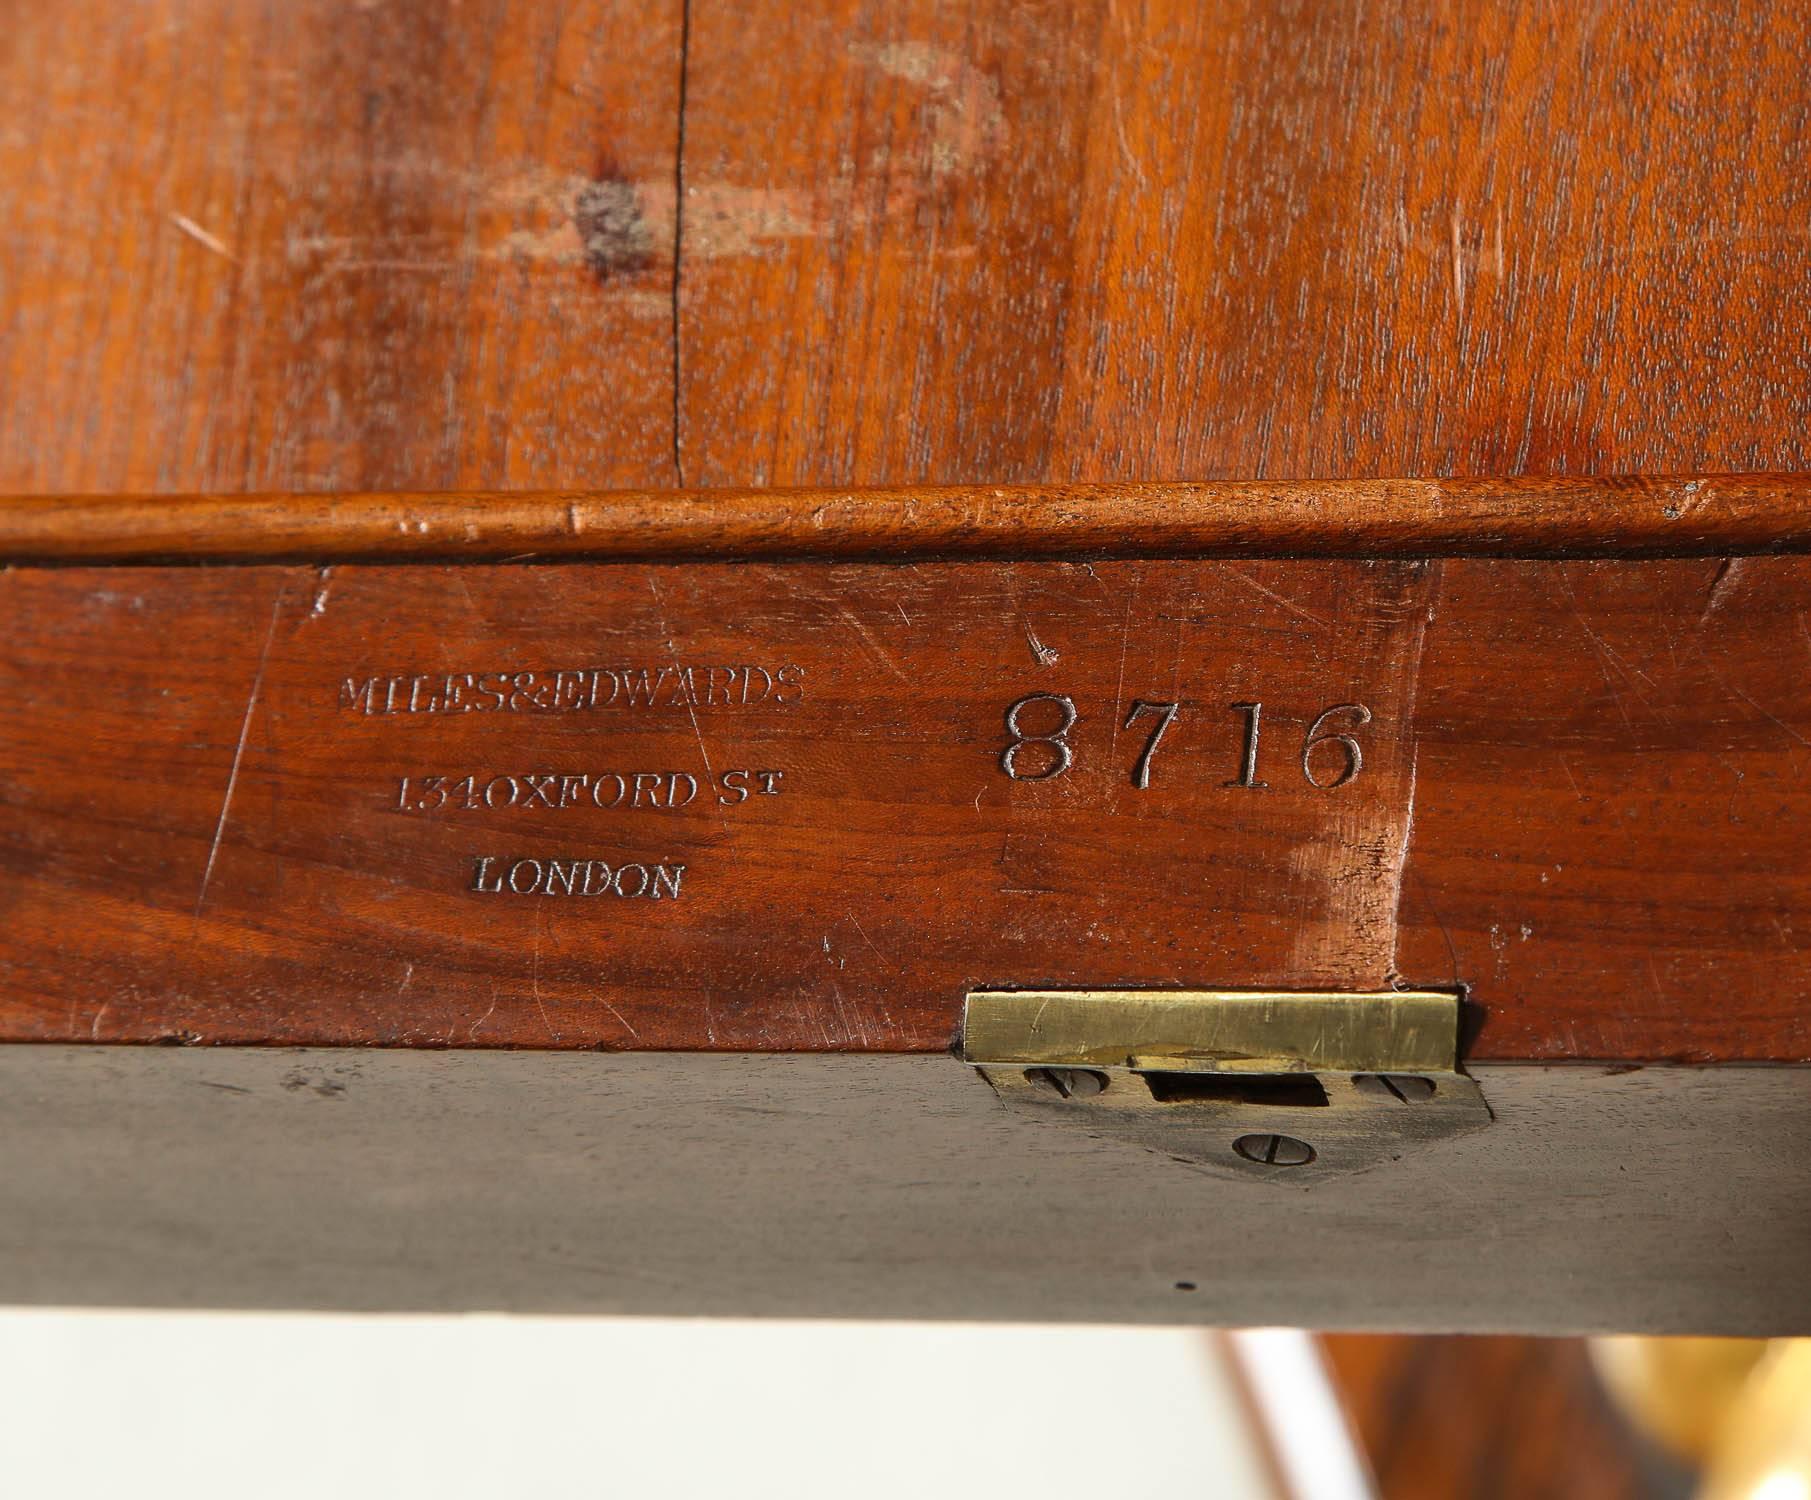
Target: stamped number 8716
{"points": [[1038, 746]]}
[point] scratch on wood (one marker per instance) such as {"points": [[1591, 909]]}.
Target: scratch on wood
{"points": [[318, 606], [1727, 576], [622, 1020], [691, 712], [1401, 861], [1607, 657], [471, 604], [1771, 718], [1411, 698], [1276, 598], [1125, 644], [201, 237], [1446, 936], [873, 647], [1040, 653], [534, 978], [472, 1032], [232, 775], [1566, 766], [870, 942], [855, 1027]]}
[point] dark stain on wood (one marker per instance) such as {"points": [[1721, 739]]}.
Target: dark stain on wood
{"points": [[614, 235]]}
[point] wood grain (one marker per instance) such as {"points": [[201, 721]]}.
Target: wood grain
{"points": [[570, 246], [334, 245], [1728, 515], [1582, 797], [1084, 241], [338, 246]]}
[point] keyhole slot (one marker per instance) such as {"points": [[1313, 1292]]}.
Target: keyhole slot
{"points": [[1287, 1090]]}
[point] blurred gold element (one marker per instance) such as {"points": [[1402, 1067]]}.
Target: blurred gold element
{"points": [[1737, 1409], [1763, 1450], [1680, 1392]]}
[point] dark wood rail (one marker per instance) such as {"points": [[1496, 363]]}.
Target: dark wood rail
{"points": [[1708, 515]]}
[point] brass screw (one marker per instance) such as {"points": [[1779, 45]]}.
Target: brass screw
{"points": [[1067, 1083], [1274, 1150]]}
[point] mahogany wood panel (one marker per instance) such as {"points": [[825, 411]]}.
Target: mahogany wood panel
{"points": [[1591, 807], [1582, 794], [332, 245], [1706, 515], [1080, 239]]}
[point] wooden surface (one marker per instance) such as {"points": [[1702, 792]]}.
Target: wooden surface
{"points": [[347, 248], [1714, 516], [871, 1187], [1454, 1418], [335, 245], [1579, 793]]}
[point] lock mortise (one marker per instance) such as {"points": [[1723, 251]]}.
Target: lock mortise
{"points": [[1277, 1084]]}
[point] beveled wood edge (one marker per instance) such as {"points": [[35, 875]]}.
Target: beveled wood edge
{"points": [[1544, 517]]}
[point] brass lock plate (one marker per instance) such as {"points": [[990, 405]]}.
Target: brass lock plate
{"points": [[1285, 1086]]}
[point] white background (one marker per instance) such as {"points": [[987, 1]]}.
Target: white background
{"points": [[104, 1403]]}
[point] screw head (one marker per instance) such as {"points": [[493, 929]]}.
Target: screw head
{"points": [[1274, 1150], [1404, 1088], [1067, 1083]]}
